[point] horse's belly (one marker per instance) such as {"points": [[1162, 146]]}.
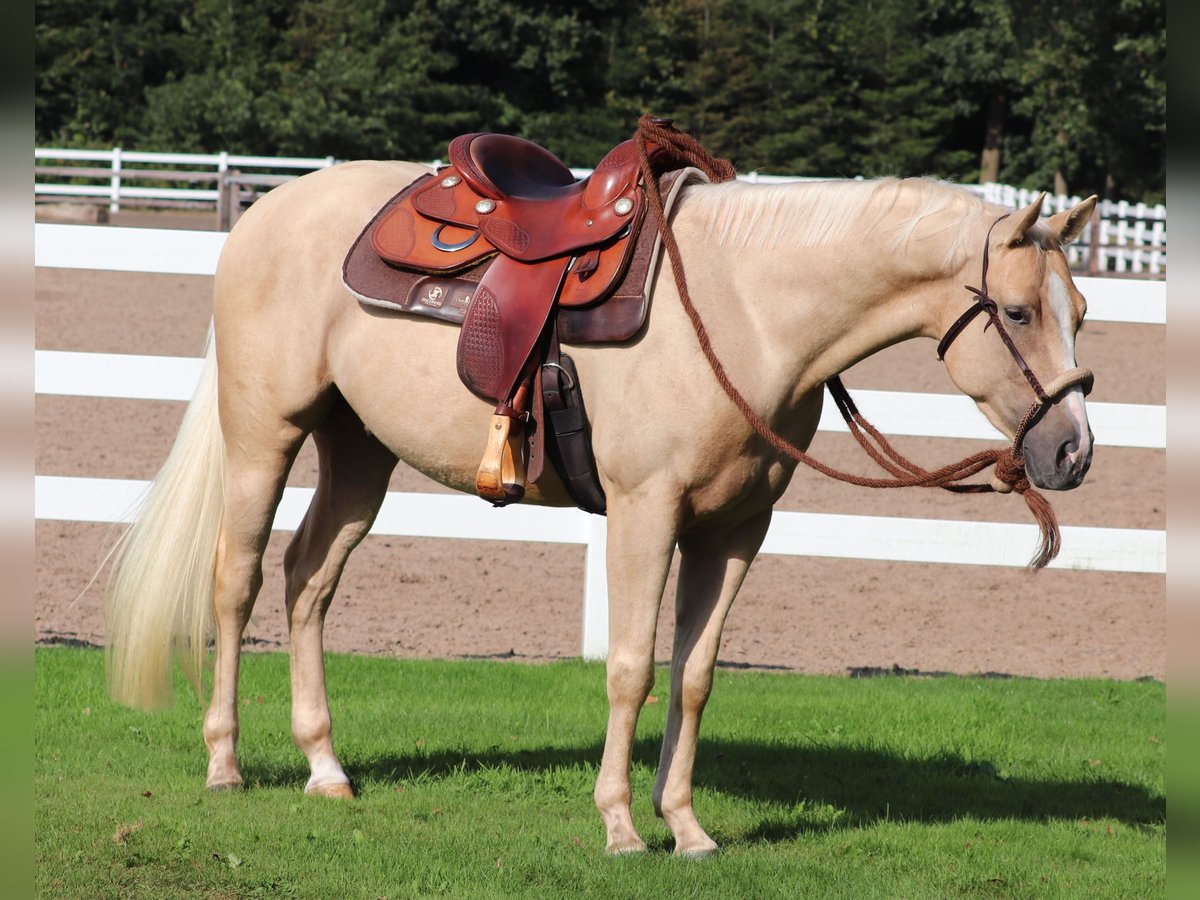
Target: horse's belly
{"points": [[398, 373]]}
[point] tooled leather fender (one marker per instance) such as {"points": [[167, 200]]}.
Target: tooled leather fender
{"points": [[507, 316]]}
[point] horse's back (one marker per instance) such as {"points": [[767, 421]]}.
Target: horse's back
{"points": [[277, 292], [326, 205], [299, 232]]}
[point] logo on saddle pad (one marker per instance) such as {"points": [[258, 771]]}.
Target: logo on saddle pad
{"points": [[443, 293], [434, 297]]}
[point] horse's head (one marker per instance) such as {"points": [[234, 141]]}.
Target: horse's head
{"points": [[1038, 308]]}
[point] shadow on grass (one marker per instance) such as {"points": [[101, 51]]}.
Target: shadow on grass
{"points": [[864, 785]]}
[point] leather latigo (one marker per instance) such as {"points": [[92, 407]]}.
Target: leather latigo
{"points": [[626, 305], [594, 274]]}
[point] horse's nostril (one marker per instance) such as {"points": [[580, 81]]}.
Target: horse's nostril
{"points": [[1066, 454]]}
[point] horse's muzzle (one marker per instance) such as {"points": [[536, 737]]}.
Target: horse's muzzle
{"points": [[1057, 462]]}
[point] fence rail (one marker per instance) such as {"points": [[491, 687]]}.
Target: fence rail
{"points": [[236, 180], [1122, 238], [440, 515], [135, 377]]}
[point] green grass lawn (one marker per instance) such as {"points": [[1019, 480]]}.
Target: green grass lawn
{"points": [[475, 780]]}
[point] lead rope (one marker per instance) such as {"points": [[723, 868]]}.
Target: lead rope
{"points": [[1009, 467]]}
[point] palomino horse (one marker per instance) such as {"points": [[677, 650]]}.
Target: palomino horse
{"points": [[795, 284]]}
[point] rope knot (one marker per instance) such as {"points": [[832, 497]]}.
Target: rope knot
{"points": [[1009, 474], [1008, 477], [679, 147]]}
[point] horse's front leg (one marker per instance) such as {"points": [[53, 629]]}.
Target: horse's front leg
{"points": [[641, 540], [712, 567]]}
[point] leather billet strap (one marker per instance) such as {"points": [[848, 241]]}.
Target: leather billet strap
{"points": [[985, 304]]}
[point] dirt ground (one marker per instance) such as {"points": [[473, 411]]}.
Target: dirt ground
{"points": [[437, 598]]}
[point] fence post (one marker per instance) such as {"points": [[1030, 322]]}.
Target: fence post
{"points": [[114, 204], [224, 222], [1093, 263], [595, 590]]}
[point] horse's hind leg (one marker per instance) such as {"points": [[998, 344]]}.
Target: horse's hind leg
{"points": [[712, 567], [257, 460], [354, 473]]}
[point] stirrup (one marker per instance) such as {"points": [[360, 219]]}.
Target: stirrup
{"points": [[501, 476]]}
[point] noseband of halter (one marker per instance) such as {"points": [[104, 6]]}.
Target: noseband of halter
{"points": [[1046, 396]]}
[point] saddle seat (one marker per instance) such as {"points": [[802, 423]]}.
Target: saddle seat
{"points": [[505, 167], [525, 202]]}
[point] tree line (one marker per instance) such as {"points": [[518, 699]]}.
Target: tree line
{"points": [[1068, 95]]}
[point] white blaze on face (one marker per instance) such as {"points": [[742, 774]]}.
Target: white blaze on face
{"points": [[1072, 402]]}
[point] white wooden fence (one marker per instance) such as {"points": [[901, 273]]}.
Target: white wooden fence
{"points": [[1123, 238], [224, 181], [460, 516]]}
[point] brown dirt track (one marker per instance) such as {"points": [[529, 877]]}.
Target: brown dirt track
{"points": [[434, 598]]}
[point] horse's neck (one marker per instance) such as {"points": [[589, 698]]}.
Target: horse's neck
{"points": [[821, 300]]}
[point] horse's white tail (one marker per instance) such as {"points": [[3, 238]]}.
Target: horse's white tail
{"points": [[160, 586]]}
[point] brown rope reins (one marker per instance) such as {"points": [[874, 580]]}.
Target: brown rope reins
{"points": [[1009, 466]]}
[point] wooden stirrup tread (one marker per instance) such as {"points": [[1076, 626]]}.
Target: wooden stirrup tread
{"points": [[501, 475]]}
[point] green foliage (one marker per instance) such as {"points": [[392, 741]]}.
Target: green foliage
{"points": [[1083, 85], [475, 780], [1073, 91], [95, 59], [796, 88]]}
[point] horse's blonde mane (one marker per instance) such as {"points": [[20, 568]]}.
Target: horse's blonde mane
{"points": [[897, 212]]}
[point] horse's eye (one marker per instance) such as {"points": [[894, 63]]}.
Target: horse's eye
{"points": [[1017, 315]]}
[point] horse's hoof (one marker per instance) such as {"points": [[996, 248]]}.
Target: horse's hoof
{"points": [[629, 848], [225, 785], [334, 789], [696, 852]]}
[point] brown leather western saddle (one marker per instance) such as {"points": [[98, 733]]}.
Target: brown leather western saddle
{"points": [[507, 242]]}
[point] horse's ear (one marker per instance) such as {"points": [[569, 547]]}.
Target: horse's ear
{"points": [[1021, 221], [1068, 225]]}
